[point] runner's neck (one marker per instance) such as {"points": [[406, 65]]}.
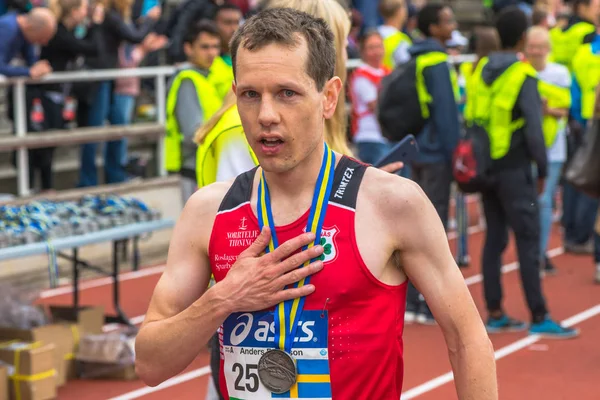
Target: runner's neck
{"points": [[299, 182]]}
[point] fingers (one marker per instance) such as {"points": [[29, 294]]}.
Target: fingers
{"points": [[287, 248], [392, 167], [299, 274], [294, 293], [298, 259], [259, 244]]}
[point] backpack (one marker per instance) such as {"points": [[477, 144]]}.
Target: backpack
{"points": [[402, 109], [398, 107], [492, 110], [471, 160]]}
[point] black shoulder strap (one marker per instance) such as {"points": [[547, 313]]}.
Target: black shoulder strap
{"points": [[348, 176], [240, 191]]}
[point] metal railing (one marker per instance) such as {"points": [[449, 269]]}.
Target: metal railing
{"points": [[23, 140]]}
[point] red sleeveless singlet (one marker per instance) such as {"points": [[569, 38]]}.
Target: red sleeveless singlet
{"points": [[348, 343]]}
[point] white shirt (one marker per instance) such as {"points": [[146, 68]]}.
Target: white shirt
{"points": [[364, 92], [558, 75], [234, 159]]}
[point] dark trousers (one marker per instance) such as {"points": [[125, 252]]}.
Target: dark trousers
{"points": [[435, 180], [579, 209], [512, 201], [41, 159]]}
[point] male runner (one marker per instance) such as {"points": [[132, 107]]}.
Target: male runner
{"points": [[378, 231]]}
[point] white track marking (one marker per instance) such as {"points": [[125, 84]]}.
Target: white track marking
{"points": [[501, 353], [166, 384], [94, 283]]}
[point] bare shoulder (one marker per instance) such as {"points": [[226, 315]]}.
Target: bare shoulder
{"points": [[201, 209], [400, 207], [391, 193]]}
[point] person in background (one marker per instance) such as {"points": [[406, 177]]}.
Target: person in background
{"points": [[127, 89], [228, 20], [365, 82], [554, 87], [191, 101], [540, 17], [580, 29], [356, 23], [579, 209], [411, 27], [368, 9], [116, 29], [483, 42], [432, 168], [60, 52], [510, 102], [184, 15], [597, 227], [395, 41], [20, 33]]}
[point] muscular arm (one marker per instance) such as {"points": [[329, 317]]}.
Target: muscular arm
{"points": [[427, 261], [183, 315]]}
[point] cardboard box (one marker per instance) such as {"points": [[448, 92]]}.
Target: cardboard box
{"points": [[108, 356], [32, 372], [3, 382], [64, 335]]}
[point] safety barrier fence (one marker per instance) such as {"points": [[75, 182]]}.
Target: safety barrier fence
{"points": [[23, 140]]}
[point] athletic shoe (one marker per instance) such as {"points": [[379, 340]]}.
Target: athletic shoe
{"points": [[579, 248], [547, 268], [463, 262], [504, 324], [424, 315], [552, 330]]}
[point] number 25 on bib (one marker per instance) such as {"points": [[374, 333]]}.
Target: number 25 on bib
{"points": [[248, 336]]}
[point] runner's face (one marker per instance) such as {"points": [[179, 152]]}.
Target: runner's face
{"points": [[280, 107]]}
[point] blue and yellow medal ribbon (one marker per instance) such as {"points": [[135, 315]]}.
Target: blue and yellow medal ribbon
{"points": [[287, 314]]}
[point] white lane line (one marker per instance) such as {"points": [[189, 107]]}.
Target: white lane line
{"points": [[166, 384], [501, 353], [470, 231], [557, 251], [94, 283]]}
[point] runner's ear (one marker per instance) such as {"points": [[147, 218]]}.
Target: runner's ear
{"points": [[331, 94]]}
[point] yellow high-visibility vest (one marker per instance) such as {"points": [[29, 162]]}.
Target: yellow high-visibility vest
{"points": [[493, 106], [209, 101]]}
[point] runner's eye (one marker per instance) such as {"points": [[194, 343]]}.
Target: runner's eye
{"points": [[251, 94]]}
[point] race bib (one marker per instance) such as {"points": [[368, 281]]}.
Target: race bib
{"points": [[247, 336]]}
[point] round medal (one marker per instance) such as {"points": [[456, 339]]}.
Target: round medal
{"points": [[277, 371]]}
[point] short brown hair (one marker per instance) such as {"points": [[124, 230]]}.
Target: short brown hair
{"points": [[282, 26], [389, 8], [539, 16]]}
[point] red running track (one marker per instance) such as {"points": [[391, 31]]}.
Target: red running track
{"points": [[549, 370]]}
